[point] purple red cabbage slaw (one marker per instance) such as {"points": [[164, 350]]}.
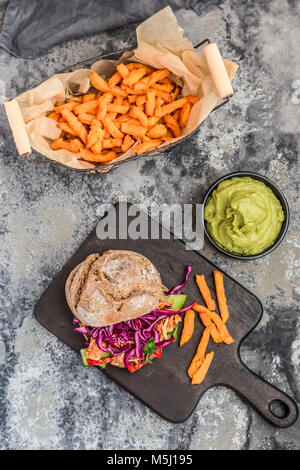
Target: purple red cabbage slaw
{"points": [[180, 286], [133, 335]]}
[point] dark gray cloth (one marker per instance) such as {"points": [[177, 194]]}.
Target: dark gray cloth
{"points": [[31, 27]]}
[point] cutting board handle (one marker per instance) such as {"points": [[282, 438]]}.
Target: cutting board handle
{"points": [[260, 394]]}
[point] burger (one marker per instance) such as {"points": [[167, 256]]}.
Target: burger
{"points": [[126, 314]]}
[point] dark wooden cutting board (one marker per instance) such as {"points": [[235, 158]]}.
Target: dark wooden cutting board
{"points": [[165, 386]]}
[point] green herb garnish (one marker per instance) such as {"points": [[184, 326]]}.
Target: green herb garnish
{"points": [[149, 360], [150, 347]]}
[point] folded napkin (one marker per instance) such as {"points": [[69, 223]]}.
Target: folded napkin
{"points": [[30, 28]]}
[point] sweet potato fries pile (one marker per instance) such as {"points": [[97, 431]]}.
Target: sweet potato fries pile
{"points": [[137, 104], [215, 327]]}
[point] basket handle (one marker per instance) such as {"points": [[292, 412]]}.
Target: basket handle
{"points": [[217, 68], [18, 127]]}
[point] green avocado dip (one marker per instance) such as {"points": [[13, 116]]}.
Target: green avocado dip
{"points": [[243, 216]]}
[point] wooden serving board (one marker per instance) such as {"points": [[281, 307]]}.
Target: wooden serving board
{"points": [[165, 386]]}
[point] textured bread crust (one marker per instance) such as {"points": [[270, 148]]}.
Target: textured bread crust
{"points": [[117, 286]]}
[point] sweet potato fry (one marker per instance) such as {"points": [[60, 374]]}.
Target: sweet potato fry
{"points": [[168, 136], [165, 96], [221, 297], [175, 93], [146, 146], [157, 131], [176, 114], [86, 107], [88, 155], [188, 327], [119, 100], [98, 82], [140, 100], [201, 350], [193, 99], [105, 98], [111, 128], [107, 156], [114, 79], [137, 113], [103, 102], [142, 85], [78, 142], [150, 102], [131, 91], [184, 114], [117, 108], [132, 65], [54, 115], [96, 134], [86, 118], [133, 129], [205, 292], [214, 331], [88, 97], [60, 143], [166, 88], [134, 76], [157, 75], [222, 329], [172, 124], [127, 143], [123, 70], [199, 376], [123, 118], [132, 98], [66, 128], [140, 89], [152, 120], [70, 106], [110, 143], [101, 158], [116, 91], [171, 107], [75, 124], [137, 65], [166, 81], [158, 104], [76, 99], [118, 150]]}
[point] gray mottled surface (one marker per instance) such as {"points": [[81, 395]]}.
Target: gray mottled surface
{"points": [[47, 399]]}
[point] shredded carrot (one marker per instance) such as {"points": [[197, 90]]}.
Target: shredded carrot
{"points": [[200, 354], [199, 376], [205, 292], [188, 327], [220, 291]]}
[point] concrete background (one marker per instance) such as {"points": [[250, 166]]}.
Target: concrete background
{"points": [[48, 400]]}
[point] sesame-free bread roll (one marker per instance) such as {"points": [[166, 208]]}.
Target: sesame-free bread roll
{"points": [[117, 286]]}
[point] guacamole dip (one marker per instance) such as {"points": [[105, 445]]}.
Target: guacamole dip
{"points": [[243, 216]]}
